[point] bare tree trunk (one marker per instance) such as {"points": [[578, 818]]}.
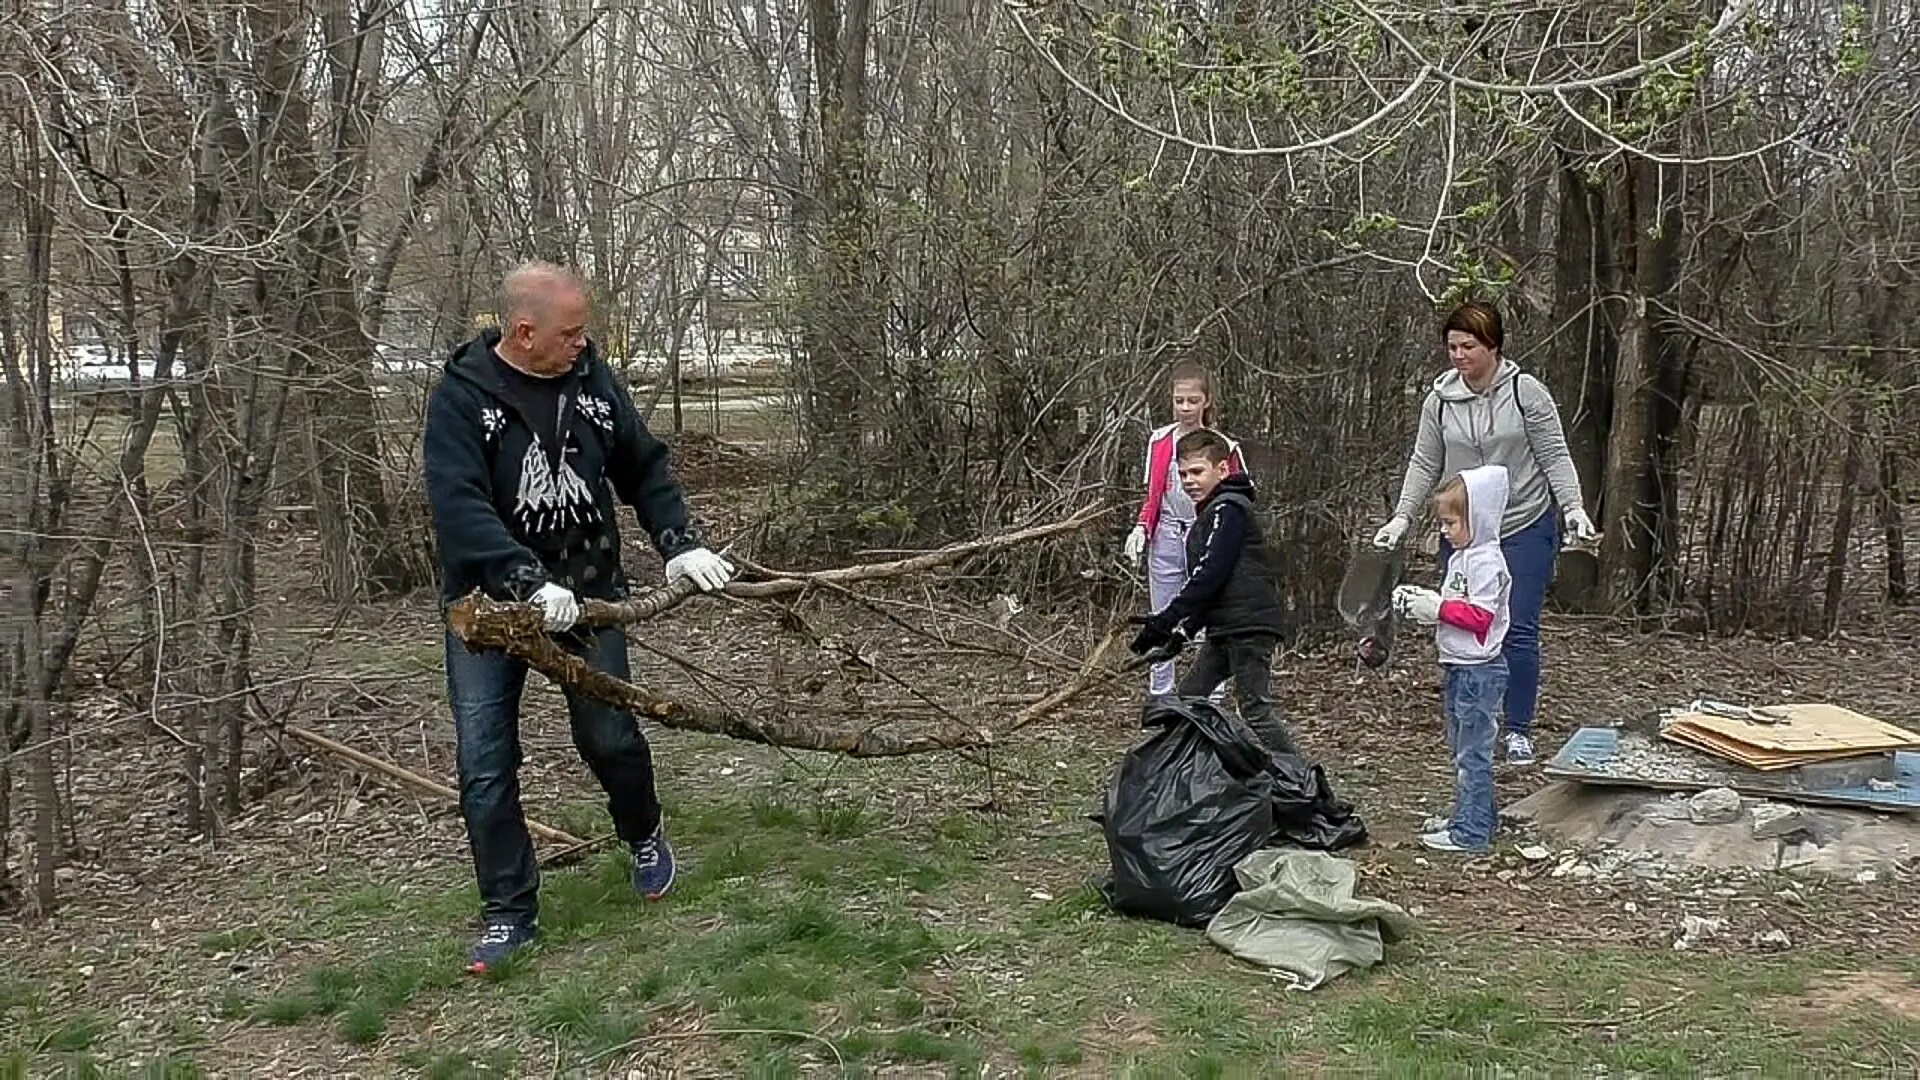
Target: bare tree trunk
{"points": [[843, 333], [1647, 384], [1836, 583], [34, 485], [1586, 347], [533, 45], [1892, 527]]}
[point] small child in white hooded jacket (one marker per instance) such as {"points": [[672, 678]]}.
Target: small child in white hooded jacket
{"points": [[1469, 616], [1472, 619]]}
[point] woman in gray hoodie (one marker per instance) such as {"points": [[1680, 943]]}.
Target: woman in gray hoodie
{"points": [[1486, 411]]}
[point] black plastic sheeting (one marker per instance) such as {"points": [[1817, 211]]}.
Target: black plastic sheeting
{"points": [[1198, 795]]}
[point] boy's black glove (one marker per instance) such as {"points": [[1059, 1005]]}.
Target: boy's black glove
{"points": [[1161, 637]]}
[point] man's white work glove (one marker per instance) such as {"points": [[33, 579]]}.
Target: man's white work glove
{"points": [[562, 609], [1580, 527], [1391, 533], [706, 570], [1418, 604], [1136, 545]]}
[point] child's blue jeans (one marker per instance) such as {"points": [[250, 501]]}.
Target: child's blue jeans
{"points": [[1473, 700]]}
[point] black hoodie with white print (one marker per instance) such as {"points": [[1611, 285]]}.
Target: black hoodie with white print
{"points": [[514, 509]]}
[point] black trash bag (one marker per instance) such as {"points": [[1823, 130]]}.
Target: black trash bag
{"points": [[1203, 792], [1185, 806], [1306, 812]]}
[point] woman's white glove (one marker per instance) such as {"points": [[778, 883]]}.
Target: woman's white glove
{"points": [[1580, 527], [561, 607], [1392, 533], [706, 570], [1136, 545], [1417, 604]]}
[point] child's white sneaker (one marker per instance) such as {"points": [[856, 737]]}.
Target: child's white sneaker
{"points": [[1442, 840], [1519, 749]]}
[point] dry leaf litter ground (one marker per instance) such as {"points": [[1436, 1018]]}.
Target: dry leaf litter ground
{"points": [[927, 915]]}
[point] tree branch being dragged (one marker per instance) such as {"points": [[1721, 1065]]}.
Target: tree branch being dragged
{"points": [[653, 603], [518, 630]]}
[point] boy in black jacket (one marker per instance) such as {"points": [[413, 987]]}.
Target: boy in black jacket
{"points": [[1230, 592]]}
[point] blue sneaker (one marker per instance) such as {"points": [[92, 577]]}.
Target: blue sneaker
{"points": [[499, 941], [653, 866]]}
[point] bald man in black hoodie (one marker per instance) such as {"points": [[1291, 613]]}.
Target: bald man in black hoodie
{"points": [[529, 440]]}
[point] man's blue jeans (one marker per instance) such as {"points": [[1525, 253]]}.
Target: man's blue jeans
{"points": [[1530, 555], [484, 689], [1473, 694]]}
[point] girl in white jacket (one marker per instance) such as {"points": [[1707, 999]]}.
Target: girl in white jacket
{"points": [[1469, 616]]}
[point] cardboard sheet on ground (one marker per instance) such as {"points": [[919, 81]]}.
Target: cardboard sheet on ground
{"points": [[1297, 915], [1783, 736], [1599, 755]]}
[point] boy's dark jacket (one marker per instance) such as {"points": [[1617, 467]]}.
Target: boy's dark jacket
{"points": [[505, 520], [1231, 589]]}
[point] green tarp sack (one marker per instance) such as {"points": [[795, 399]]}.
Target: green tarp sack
{"points": [[1296, 914]]}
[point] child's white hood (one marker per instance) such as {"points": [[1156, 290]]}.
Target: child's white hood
{"points": [[1477, 573], [1486, 502]]}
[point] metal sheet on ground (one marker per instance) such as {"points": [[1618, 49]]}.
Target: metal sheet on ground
{"points": [[1606, 756]]}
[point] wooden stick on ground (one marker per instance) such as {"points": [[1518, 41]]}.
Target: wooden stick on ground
{"points": [[570, 844]]}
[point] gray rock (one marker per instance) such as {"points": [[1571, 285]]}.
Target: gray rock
{"points": [[1715, 806], [1694, 930], [1775, 820]]}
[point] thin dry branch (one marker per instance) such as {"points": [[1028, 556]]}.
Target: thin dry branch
{"points": [[517, 630], [1093, 673], [569, 843], [656, 602]]}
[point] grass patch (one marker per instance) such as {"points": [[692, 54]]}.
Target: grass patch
{"points": [[238, 939], [457, 1065], [582, 1014], [75, 1034], [363, 1022], [936, 948]]}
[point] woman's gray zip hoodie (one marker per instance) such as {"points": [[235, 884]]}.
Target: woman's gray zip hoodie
{"points": [[1514, 423]]}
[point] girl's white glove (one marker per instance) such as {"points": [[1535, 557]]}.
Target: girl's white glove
{"points": [[1391, 533], [561, 607], [1417, 604], [1136, 545]]}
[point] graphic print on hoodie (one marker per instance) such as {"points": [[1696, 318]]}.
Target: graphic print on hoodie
{"points": [[1473, 592], [523, 488]]}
